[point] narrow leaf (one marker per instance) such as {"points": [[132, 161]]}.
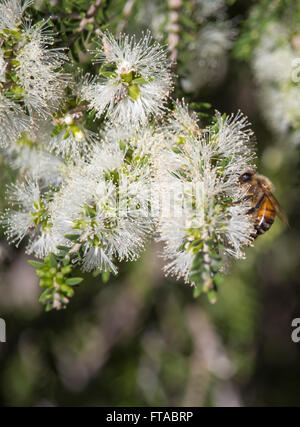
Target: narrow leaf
{"points": [[53, 261], [74, 281], [133, 92], [36, 264], [73, 237]]}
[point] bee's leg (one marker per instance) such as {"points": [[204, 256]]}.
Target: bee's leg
{"points": [[250, 196], [257, 206]]}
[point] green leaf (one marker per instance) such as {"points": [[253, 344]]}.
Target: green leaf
{"points": [[90, 211], [197, 291], [212, 296], [74, 281], [67, 290], [17, 90], [73, 237], [127, 77], [197, 263], [63, 248], [45, 296], [197, 243], [53, 261], [66, 135], [57, 130], [139, 81], [225, 162], [195, 276], [134, 92], [107, 74], [218, 279], [65, 261], [36, 264], [200, 105], [105, 276], [49, 307]]}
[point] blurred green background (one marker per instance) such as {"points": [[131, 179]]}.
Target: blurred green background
{"points": [[142, 339]]}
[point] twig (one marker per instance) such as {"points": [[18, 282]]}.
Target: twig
{"points": [[125, 15], [90, 16], [173, 28], [59, 16]]}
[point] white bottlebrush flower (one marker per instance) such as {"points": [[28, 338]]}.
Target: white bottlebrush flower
{"points": [[144, 141], [29, 155], [153, 17], [210, 51], [11, 12], [44, 166], [137, 83], [181, 123], [216, 40], [273, 63], [109, 209], [36, 162], [28, 216], [116, 134], [207, 9], [281, 108], [72, 141], [39, 72], [236, 233], [13, 121], [104, 157], [43, 244], [95, 258], [197, 200], [274, 55]]}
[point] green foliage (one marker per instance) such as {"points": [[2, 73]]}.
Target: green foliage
{"points": [[261, 15], [55, 275]]}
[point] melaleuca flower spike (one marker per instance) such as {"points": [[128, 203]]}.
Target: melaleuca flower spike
{"points": [[136, 79], [39, 71], [69, 138], [11, 12], [31, 79], [204, 212], [28, 216], [13, 121], [109, 210], [274, 63], [28, 156]]}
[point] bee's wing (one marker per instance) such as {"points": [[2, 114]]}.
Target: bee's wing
{"points": [[279, 211]]}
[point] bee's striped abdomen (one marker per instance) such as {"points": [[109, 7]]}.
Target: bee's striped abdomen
{"points": [[265, 216]]}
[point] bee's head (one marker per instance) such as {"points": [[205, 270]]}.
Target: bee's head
{"points": [[246, 176]]}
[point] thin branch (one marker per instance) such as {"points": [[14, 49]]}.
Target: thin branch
{"points": [[173, 28], [125, 15], [90, 16]]}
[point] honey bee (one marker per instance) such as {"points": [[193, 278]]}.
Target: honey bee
{"points": [[265, 207]]}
